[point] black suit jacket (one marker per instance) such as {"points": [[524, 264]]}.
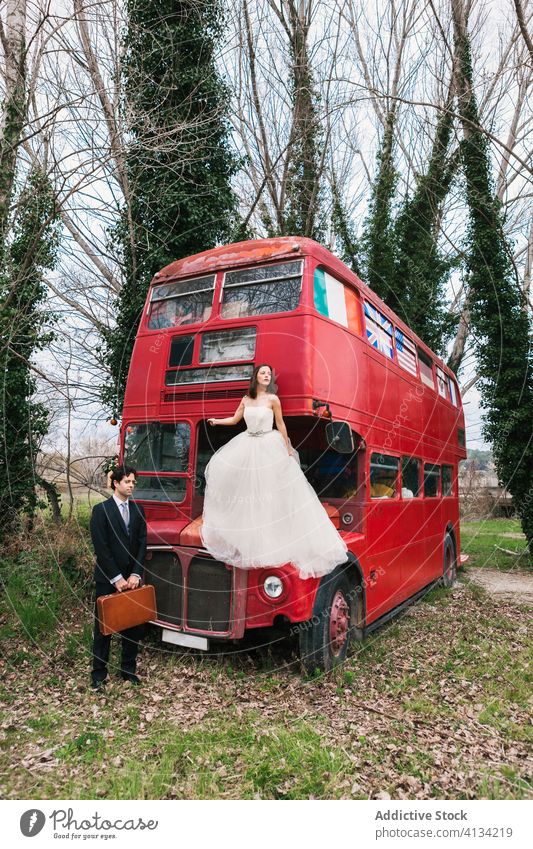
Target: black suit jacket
{"points": [[116, 550]]}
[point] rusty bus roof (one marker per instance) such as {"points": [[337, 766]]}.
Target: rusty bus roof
{"points": [[281, 247]]}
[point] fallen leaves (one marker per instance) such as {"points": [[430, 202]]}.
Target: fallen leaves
{"points": [[40, 760], [406, 724]]}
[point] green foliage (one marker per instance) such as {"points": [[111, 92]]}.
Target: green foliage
{"points": [[179, 163], [421, 270], [346, 244], [38, 587], [498, 318], [403, 263], [29, 254], [378, 241], [14, 115]]}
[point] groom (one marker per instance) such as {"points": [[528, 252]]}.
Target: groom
{"points": [[118, 531]]}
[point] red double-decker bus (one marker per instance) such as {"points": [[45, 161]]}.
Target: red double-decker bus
{"points": [[375, 416]]}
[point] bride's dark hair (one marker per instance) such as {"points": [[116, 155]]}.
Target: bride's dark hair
{"points": [[252, 390]]}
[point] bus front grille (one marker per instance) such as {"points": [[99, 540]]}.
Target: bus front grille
{"points": [[163, 570], [208, 595]]}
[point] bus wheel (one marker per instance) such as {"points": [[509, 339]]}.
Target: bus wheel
{"points": [[449, 569], [325, 639]]}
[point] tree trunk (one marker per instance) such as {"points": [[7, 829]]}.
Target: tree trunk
{"points": [[54, 499], [13, 113]]}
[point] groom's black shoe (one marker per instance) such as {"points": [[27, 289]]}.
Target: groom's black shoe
{"points": [[98, 683], [131, 677]]}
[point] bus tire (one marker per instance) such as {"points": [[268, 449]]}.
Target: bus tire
{"points": [[449, 565], [325, 638]]}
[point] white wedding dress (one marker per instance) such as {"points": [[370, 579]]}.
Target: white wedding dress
{"points": [[259, 508]]}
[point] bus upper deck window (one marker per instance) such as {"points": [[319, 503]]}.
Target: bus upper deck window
{"points": [[259, 291], [181, 302], [181, 349], [442, 383], [426, 369], [226, 345], [383, 475], [405, 352], [336, 300], [378, 330], [453, 392]]}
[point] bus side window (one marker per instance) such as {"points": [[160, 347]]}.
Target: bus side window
{"points": [[405, 352], [336, 300], [426, 369], [431, 480], [383, 475], [378, 330], [410, 477], [453, 391], [442, 383], [447, 481]]}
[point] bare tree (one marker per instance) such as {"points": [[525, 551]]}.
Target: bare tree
{"points": [[13, 115], [339, 72], [522, 22]]}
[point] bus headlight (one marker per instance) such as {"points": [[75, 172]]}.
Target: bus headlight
{"points": [[273, 586]]}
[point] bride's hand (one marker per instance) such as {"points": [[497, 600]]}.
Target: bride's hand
{"points": [[211, 421]]}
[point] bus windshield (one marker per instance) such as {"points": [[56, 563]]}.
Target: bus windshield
{"points": [[157, 446], [332, 475]]}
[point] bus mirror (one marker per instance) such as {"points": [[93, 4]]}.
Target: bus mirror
{"points": [[339, 436]]}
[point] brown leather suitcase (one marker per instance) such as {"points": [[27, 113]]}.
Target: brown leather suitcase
{"points": [[119, 611]]}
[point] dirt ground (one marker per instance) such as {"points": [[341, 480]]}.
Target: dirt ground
{"points": [[511, 585]]}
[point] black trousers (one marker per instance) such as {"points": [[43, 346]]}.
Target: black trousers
{"points": [[102, 644]]}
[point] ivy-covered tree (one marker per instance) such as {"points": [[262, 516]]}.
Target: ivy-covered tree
{"points": [[498, 317], [304, 214], [179, 162], [402, 259], [13, 114], [29, 253], [421, 270], [286, 145], [378, 242], [346, 243]]}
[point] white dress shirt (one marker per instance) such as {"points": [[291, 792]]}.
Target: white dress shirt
{"points": [[120, 504]]}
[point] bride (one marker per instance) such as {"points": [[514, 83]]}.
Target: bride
{"points": [[259, 508]]}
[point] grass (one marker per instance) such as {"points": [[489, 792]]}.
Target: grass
{"points": [[434, 705], [203, 762], [39, 582], [482, 540]]}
